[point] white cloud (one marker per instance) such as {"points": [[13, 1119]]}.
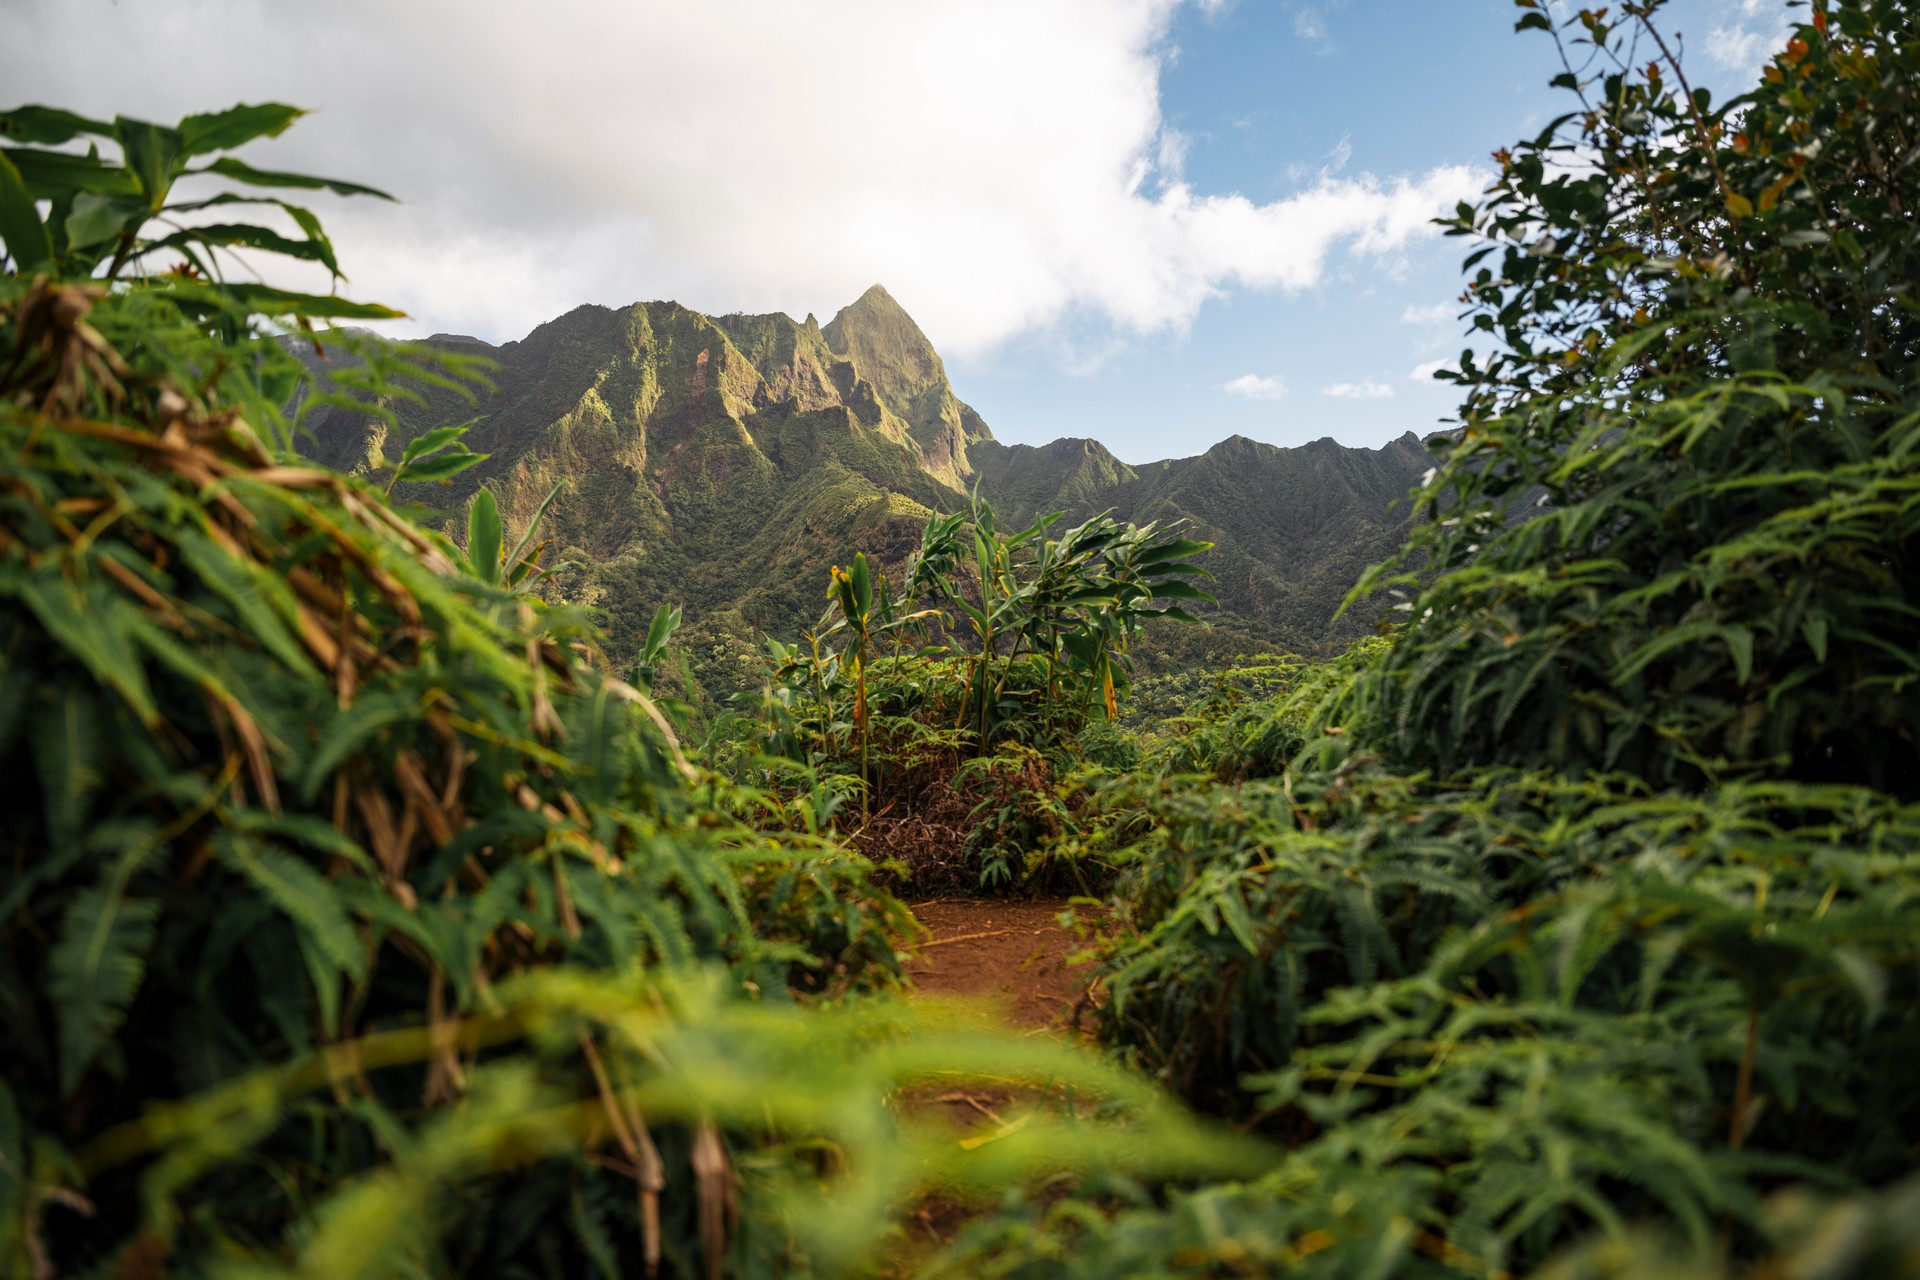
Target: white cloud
{"points": [[998, 164], [1737, 48], [1753, 31], [1423, 373], [1171, 157], [1311, 27], [1364, 390], [1254, 387], [1432, 314]]}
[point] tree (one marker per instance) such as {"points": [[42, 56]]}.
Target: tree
{"points": [[1677, 530]]}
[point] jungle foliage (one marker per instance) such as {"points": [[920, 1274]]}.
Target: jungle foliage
{"points": [[1584, 905], [354, 918], [949, 705], [367, 923]]}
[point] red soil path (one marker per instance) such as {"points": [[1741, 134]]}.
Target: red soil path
{"points": [[1010, 954], [1013, 956]]}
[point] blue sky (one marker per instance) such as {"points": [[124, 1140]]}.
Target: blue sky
{"points": [[1159, 223], [1269, 94]]}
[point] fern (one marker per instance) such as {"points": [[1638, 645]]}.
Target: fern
{"points": [[349, 731], [67, 750], [96, 968], [303, 896]]}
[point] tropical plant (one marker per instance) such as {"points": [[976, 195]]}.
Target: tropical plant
{"points": [[653, 650], [350, 923], [1582, 906], [957, 712], [517, 569], [240, 774], [438, 456], [1705, 379], [100, 214]]}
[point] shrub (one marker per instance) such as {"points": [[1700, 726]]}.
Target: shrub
{"points": [[956, 733], [360, 922], [1583, 905]]}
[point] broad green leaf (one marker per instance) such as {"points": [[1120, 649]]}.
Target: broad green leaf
{"points": [[1177, 590], [862, 584], [1104, 596], [430, 442], [27, 242], [225, 130], [484, 538], [1179, 549], [1179, 566], [1739, 642], [246, 236], [439, 467], [48, 126], [53, 173], [268, 301], [96, 219], [659, 631], [151, 151], [239, 171], [1815, 630]]}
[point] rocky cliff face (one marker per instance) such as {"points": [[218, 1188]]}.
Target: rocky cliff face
{"points": [[723, 462], [886, 346]]}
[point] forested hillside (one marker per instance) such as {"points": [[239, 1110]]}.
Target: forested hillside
{"points": [[722, 463], [361, 917], [1292, 529]]}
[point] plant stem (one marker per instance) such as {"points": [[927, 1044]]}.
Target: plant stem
{"points": [[1743, 1086]]}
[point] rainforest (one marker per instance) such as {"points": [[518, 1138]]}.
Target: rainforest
{"points": [[542, 810]]}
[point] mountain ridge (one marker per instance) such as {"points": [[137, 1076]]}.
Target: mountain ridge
{"points": [[724, 462]]}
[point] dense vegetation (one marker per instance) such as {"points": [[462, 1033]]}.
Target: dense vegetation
{"points": [[354, 918], [947, 708], [1586, 904], [367, 923], [724, 463]]}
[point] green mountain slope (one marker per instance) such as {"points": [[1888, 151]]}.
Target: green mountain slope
{"points": [[1293, 528], [723, 462]]}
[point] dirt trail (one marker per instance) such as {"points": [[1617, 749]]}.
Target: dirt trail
{"points": [[1011, 954]]}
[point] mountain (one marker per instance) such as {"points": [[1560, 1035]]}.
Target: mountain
{"points": [[1292, 529], [723, 462]]}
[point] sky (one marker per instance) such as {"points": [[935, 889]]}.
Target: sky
{"points": [[1158, 223]]}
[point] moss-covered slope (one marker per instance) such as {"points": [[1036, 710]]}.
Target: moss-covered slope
{"points": [[1293, 528], [722, 462]]}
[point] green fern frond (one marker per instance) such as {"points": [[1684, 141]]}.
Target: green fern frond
{"points": [[95, 970]]}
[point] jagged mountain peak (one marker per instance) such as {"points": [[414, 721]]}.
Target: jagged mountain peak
{"points": [[891, 351], [723, 461], [894, 356]]}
